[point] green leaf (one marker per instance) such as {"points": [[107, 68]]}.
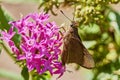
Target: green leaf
{"points": [[118, 19], [115, 16], [17, 39], [44, 76], [25, 73], [0, 47], [117, 37], [0, 50], [89, 44], [3, 20]]}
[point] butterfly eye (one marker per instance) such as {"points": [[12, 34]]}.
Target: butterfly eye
{"points": [[71, 25]]}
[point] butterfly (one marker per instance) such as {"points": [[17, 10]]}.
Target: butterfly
{"points": [[73, 49]]}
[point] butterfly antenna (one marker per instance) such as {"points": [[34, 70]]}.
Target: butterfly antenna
{"points": [[74, 13], [65, 15]]}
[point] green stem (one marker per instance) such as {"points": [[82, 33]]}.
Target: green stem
{"points": [[30, 76], [8, 51]]}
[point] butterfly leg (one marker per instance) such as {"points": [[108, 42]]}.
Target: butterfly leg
{"points": [[62, 31]]}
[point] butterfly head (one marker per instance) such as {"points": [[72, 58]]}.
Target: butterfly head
{"points": [[74, 24]]}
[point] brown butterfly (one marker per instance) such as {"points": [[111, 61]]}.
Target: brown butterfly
{"points": [[73, 49]]}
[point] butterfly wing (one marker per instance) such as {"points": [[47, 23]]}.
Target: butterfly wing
{"points": [[71, 49], [75, 52], [88, 61]]}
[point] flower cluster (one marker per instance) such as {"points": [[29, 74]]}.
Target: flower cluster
{"points": [[39, 45]]}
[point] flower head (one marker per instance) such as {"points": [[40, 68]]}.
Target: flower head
{"points": [[40, 43]]}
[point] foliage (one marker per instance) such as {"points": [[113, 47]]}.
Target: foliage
{"points": [[99, 27]]}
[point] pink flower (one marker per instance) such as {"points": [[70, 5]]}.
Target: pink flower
{"points": [[40, 43]]}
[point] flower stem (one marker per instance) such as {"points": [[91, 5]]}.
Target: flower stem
{"points": [[30, 76], [8, 51]]}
